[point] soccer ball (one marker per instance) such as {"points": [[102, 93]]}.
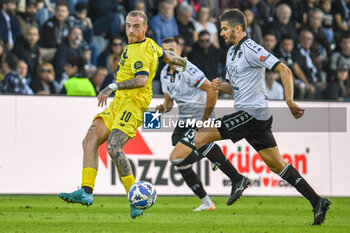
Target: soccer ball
{"points": [[142, 195]]}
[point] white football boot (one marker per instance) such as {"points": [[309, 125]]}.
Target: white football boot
{"points": [[205, 207]]}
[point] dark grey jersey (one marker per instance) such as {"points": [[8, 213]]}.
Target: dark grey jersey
{"points": [[183, 87], [245, 70]]}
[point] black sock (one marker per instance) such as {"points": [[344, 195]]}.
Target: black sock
{"points": [[87, 189], [213, 152], [191, 158], [292, 176], [193, 181]]}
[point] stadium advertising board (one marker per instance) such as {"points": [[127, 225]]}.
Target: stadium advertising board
{"points": [[41, 151]]}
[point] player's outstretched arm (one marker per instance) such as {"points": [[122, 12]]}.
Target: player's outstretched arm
{"points": [[174, 59], [287, 81], [225, 87], [137, 82], [167, 104], [212, 96]]}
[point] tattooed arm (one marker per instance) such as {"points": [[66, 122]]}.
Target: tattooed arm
{"points": [[137, 82], [174, 59]]}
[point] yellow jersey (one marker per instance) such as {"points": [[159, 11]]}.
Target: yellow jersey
{"points": [[140, 58]]}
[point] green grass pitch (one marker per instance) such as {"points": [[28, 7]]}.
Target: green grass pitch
{"points": [[47, 213]]}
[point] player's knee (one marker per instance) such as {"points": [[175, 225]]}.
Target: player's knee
{"points": [[90, 143], [175, 155], [199, 141], [113, 148], [172, 156]]}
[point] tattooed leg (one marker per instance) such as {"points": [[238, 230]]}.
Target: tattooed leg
{"points": [[116, 141]]}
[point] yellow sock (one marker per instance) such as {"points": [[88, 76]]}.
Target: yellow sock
{"points": [[89, 176], [128, 181]]}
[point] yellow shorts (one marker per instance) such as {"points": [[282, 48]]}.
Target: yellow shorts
{"points": [[123, 114]]}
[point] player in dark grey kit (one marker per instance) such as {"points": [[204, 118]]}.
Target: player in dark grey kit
{"points": [[245, 78], [196, 100]]}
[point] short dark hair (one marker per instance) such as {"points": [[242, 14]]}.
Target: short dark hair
{"points": [[203, 32], [11, 61], [345, 36], [80, 6], [79, 62], [62, 3], [171, 40], [234, 17], [165, 1], [271, 33], [287, 37], [31, 2]]}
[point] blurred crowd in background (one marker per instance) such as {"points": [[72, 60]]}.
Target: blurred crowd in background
{"points": [[73, 47]]}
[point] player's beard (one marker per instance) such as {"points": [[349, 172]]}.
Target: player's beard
{"points": [[230, 40]]}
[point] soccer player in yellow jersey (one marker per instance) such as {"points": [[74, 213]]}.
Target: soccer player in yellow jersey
{"points": [[119, 122]]}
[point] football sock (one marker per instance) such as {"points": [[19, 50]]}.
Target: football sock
{"points": [[128, 181], [193, 181], [213, 152], [191, 158], [292, 176], [88, 179], [206, 200]]}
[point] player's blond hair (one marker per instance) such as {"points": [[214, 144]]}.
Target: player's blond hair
{"points": [[140, 14]]}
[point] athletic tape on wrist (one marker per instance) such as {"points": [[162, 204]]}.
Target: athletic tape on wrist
{"points": [[113, 86]]}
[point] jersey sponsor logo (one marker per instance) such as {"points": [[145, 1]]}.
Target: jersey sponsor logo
{"points": [[264, 58], [199, 80], [152, 120], [154, 49], [138, 65], [253, 46], [233, 70], [124, 56]]}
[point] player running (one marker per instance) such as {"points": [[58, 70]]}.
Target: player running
{"points": [[119, 122], [245, 78], [196, 99]]}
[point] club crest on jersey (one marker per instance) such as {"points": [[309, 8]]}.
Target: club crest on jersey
{"points": [[138, 65], [235, 55]]}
